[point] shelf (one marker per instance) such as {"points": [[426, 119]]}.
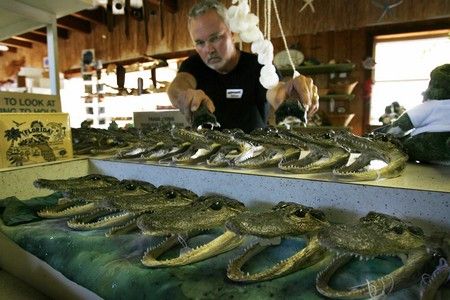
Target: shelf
{"points": [[337, 97], [319, 69]]}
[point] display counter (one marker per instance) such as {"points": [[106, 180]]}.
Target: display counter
{"points": [[421, 195]]}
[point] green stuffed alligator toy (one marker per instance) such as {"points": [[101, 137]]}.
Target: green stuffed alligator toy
{"points": [[425, 129]]}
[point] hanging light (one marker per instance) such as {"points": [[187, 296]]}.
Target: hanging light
{"points": [[3, 47]]}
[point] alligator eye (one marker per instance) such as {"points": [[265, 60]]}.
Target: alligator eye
{"points": [[95, 177], [300, 213], [416, 230], [280, 205], [398, 229], [170, 194], [131, 187], [216, 205], [319, 215]]}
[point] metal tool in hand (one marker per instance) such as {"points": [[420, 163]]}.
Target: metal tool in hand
{"points": [[203, 118], [291, 113]]}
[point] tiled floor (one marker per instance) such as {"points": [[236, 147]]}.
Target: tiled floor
{"points": [[12, 288]]}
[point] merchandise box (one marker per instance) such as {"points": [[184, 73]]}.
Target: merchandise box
{"points": [[30, 138], [159, 118]]}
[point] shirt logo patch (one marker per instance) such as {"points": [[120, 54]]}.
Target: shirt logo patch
{"points": [[234, 93]]}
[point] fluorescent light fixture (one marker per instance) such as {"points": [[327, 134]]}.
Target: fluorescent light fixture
{"points": [[4, 47]]}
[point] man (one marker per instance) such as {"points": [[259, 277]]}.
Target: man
{"points": [[226, 79]]}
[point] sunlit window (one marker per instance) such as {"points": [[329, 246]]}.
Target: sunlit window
{"points": [[403, 66]]}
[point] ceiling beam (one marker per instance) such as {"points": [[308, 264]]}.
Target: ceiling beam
{"points": [[92, 15], [62, 33], [72, 23], [17, 43], [12, 49], [32, 37]]}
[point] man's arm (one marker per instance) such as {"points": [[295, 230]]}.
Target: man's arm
{"points": [[184, 95], [300, 87]]}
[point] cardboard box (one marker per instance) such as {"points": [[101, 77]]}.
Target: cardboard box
{"points": [[158, 118], [34, 138]]}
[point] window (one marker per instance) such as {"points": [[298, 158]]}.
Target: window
{"points": [[403, 66]]}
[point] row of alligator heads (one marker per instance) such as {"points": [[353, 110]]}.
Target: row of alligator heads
{"points": [[98, 201], [293, 150]]}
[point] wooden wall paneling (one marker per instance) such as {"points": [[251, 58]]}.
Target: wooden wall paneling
{"points": [[32, 59], [330, 15], [338, 15], [358, 54]]}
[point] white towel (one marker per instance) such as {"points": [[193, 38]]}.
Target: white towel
{"points": [[430, 116]]}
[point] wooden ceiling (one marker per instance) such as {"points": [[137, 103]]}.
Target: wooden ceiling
{"points": [[82, 21]]}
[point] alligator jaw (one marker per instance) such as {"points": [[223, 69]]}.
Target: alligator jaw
{"points": [[223, 243], [370, 149], [359, 170], [65, 210], [439, 277], [311, 254], [402, 276], [318, 160], [104, 220]]}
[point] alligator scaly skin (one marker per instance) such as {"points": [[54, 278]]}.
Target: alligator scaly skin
{"points": [[269, 149], [324, 154], [205, 213], [284, 219], [374, 235], [71, 207], [104, 215], [125, 207], [201, 148], [380, 147]]}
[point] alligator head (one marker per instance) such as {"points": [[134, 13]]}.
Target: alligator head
{"points": [[322, 155], [284, 219], [268, 149], [68, 206], [230, 147], [120, 210], [201, 148], [82, 202], [374, 235], [380, 147], [206, 213], [76, 183], [96, 140]]}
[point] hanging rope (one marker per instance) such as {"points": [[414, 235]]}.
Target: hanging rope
{"points": [[257, 8], [283, 37]]}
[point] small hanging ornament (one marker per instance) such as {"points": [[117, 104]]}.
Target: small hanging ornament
{"points": [[386, 6], [308, 3]]}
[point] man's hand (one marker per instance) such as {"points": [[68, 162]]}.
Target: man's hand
{"points": [[183, 95], [192, 99], [303, 88]]}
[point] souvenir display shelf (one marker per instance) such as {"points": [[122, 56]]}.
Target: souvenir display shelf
{"points": [[421, 195]]}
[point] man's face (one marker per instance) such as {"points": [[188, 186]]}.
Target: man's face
{"points": [[213, 41]]}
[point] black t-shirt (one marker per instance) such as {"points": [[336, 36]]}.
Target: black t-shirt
{"points": [[239, 98]]}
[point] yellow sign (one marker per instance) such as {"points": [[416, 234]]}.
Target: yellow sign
{"points": [[29, 138], [28, 103]]}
